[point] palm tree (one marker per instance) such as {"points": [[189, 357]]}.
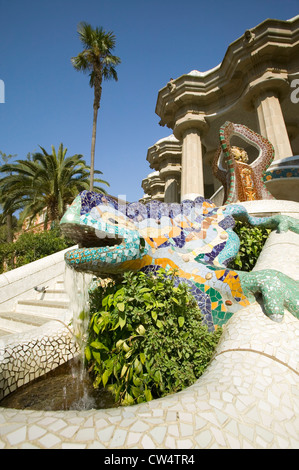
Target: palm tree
{"points": [[8, 216], [97, 60], [45, 182]]}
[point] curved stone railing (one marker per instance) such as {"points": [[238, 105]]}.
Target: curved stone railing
{"points": [[19, 283]]}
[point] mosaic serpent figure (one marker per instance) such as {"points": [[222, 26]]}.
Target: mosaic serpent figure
{"points": [[195, 237], [242, 181]]}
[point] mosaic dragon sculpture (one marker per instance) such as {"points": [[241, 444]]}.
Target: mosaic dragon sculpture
{"points": [[195, 237]]}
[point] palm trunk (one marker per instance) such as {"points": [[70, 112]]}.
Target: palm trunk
{"points": [[93, 145], [96, 105]]}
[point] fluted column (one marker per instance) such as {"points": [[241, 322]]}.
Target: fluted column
{"points": [[192, 181], [171, 190], [170, 173], [190, 129], [272, 125]]}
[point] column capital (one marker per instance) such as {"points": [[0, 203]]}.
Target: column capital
{"points": [[265, 87], [154, 186], [191, 121], [170, 170]]}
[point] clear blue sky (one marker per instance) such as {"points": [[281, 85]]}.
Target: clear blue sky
{"points": [[48, 102]]}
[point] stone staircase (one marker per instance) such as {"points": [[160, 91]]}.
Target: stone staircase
{"points": [[49, 305]]}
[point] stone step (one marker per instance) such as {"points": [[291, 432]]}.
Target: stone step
{"points": [[36, 311], [15, 322], [53, 294], [4, 332], [43, 308]]}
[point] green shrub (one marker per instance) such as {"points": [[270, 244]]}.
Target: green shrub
{"points": [[252, 240], [32, 246], [146, 338]]}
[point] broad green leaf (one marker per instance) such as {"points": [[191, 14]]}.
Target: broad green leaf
{"points": [[119, 343], [115, 326], [140, 330], [124, 370], [122, 322], [105, 377], [97, 357], [119, 293], [158, 376], [148, 395], [136, 391], [129, 354], [137, 366], [148, 297], [121, 306], [144, 289], [126, 347], [142, 358], [154, 315], [137, 381], [181, 321], [98, 345], [129, 400], [88, 353], [97, 381]]}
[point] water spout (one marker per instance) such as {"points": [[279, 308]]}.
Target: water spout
{"points": [[76, 285]]}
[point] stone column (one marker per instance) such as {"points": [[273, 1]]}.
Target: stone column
{"points": [[165, 157], [171, 175], [190, 129], [192, 181], [272, 125], [171, 190]]}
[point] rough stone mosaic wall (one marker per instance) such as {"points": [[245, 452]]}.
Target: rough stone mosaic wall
{"points": [[31, 355]]}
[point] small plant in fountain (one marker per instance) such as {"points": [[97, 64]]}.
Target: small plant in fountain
{"points": [[252, 240], [146, 337]]}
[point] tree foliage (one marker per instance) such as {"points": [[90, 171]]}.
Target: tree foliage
{"points": [[31, 247], [44, 181]]}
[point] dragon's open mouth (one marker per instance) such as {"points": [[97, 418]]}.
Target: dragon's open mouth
{"points": [[89, 237]]}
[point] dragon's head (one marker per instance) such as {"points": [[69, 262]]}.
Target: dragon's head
{"points": [[103, 232]]}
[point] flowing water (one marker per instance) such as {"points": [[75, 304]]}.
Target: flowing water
{"points": [[69, 386]]}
